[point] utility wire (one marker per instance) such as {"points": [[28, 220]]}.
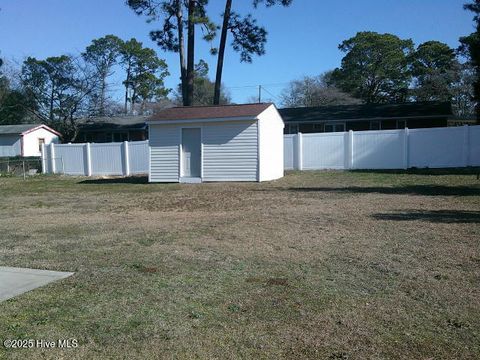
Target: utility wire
{"points": [[268, 92]]}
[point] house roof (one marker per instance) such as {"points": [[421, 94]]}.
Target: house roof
{"points": [[367, 111], [210, 112], [23, 129], [113, 123]]}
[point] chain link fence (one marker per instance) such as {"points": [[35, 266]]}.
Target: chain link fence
{"points": [[20, 167]]}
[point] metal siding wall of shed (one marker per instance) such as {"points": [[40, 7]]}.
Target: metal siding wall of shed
{"points": [[230, 151], [164, 149]]}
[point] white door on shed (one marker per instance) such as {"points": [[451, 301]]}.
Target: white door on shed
{"points": [[191, 152]]}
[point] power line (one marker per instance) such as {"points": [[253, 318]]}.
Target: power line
{"points": [[256, 86], [268, 92]]}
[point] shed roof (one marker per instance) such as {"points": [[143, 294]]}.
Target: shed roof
{"points": [[367, 111], [210, 112], [23, 128]]}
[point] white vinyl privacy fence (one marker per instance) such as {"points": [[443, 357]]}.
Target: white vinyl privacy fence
{"points": [[383, 149], [125, 158]]}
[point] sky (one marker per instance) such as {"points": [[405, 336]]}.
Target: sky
{"points": [[302, 39]]}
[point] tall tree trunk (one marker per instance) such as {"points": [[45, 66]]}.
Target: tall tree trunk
{"points": [[127, 85], [190, 52], [103, 88], [221, 52], [133, 99], [50, 115], [181, 50], [477, 91]]}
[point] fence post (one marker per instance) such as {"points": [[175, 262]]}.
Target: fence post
{"points": [[350, 150], [405, 148], [347, 144], [126, 160], [299, 148], [44, 168], [52, 157], [466, 146], [88, 159]]}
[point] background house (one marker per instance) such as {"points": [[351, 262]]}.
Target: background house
{"points": [[112, 129], [366, 117], [216, 143], [25, 139]]}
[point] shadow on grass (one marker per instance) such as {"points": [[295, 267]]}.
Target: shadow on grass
{"points": [[425, 190], [118, 180], [434, 216], [425, 171]]}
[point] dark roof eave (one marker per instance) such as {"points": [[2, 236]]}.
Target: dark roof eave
{"points": [[371, 119]]}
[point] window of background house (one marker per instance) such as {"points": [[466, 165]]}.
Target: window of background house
{"points": [[332, 127], [375, 125], [388, 124], [119, 137], [401, 124], [293, 128], [41, 141]]}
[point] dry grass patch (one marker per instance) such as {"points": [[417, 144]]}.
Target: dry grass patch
{"points": [[335, 265]]}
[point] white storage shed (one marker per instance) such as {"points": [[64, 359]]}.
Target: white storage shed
{"points": [[25, 139], [216, 143]]}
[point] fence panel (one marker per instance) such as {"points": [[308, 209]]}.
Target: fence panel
{"points": [[436, 147], [323, 151], [474, 146], [289, 152], [384, 149], [138, 156], [69, 159], [107, 159], [378, 149]]}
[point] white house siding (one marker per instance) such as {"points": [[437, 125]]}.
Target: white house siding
{"points": [[270, 138], [230, 151], [10, 145], [164, 143], [30, 141]]}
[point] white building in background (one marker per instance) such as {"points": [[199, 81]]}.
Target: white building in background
{"points": [[216, 143], [25, 139]]}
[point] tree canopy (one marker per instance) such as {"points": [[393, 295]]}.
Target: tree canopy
{"points": [[203, 91], [102, 55], [248, 38], [61, 89], [433, 67], [471, 47], [315, 91], [145, 73], [375, 67], [171, 35]]}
